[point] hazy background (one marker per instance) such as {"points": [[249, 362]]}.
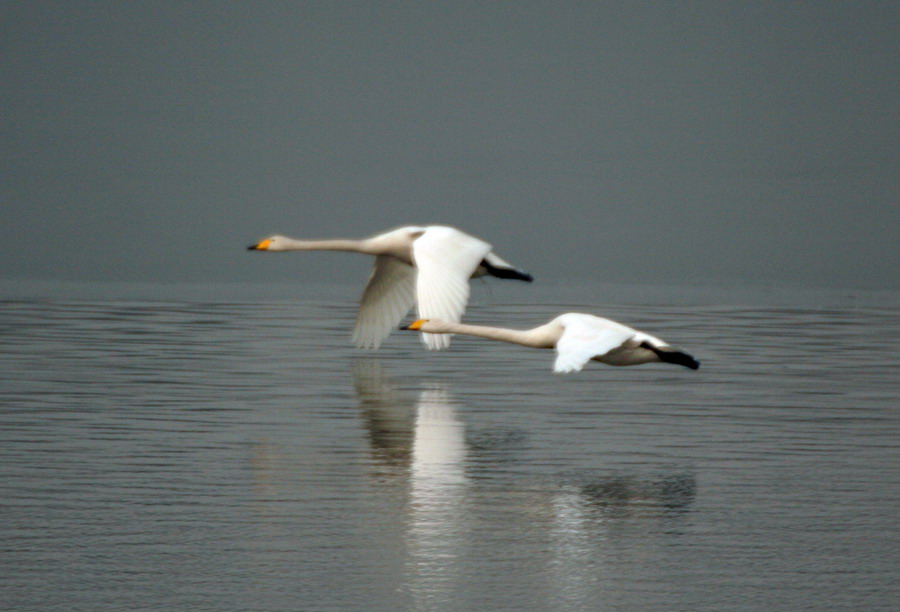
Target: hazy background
{"points": [[677, 142]]}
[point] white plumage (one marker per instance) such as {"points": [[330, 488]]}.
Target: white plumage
{"points": [[425, 266], [577, 338]]}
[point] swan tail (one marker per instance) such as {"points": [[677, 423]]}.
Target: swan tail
{"points": [[668, 354], [495, 266]]}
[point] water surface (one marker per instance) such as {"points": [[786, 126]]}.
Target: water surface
{"points": [[229, 452]]}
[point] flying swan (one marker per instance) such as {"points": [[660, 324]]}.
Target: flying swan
{"points": [[429, 266], [578, 338]]}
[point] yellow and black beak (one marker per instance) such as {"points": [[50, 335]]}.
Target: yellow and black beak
{"points": [[263, 245], [415, 325]]}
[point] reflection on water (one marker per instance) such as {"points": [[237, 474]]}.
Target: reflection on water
{"points": [[422, 437], [389, 414], [437, 524], [427, 434], [619, 494]]}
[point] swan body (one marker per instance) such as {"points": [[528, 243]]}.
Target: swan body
{"points": [[425, 266], [577, 338]]}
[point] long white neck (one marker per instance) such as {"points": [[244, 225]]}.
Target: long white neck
{"points": [[355, 246], [539, 337]]}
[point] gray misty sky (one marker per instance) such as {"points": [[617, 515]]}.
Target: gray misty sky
{"points": [[659, 141]]}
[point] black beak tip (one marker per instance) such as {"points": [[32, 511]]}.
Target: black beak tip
{"points": [[252, 247]]}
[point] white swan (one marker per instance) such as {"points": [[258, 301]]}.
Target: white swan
{"points": [[429, 266], [578, 338]]}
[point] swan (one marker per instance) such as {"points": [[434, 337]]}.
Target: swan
{"points": [[429, 266], [578, 338]]}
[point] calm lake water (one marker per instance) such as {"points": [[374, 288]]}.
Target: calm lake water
{"points": [[219, 450]]}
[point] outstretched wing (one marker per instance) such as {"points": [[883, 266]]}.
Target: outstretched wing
{"points": [[445, 258], [388, 296], [584, 337]]}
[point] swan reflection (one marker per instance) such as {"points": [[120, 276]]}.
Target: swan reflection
{"points": [[449, 481], [591, 520], [389, 415], [422, 433]]}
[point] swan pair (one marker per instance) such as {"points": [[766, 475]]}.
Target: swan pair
{"points": [[430, 267]]}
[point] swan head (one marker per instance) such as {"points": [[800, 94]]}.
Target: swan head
{"points": [[272, 243], [415, 325], [431, 326]]}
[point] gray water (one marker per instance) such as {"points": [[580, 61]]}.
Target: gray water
{"points": [[238, 454]]}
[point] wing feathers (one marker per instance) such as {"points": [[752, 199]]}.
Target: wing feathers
{"points": [[388, 296], [585, 337], [445, 258]]}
